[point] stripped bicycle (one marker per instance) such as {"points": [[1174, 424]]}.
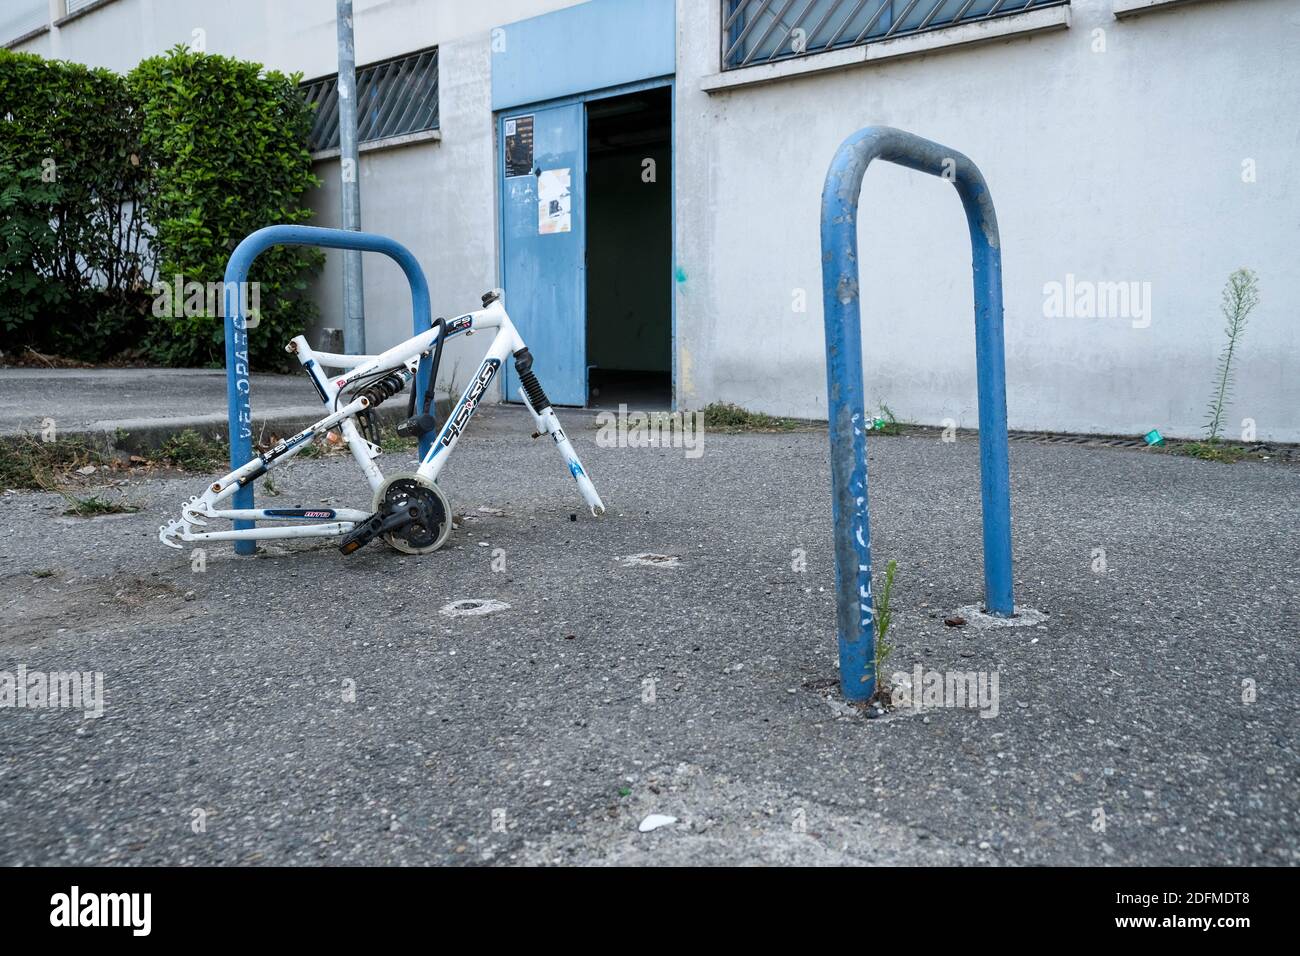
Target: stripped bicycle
{"points": [[409, 511]]}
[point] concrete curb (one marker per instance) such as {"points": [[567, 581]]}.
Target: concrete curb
{"points": [[140, 435]]}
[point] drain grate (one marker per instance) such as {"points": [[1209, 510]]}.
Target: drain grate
{"points": [[1276, 452]]}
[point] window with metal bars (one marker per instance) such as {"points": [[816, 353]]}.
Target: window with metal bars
{"points": [[394, 98], [762, 31]]}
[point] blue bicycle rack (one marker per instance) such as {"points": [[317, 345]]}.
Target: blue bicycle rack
{"points": [[855, 610], [237, 384]]}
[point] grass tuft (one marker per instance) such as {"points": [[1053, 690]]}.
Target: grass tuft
{"points": [[94, 506], [193, 452], [1213, 450], [26, 462], [726, 417]]}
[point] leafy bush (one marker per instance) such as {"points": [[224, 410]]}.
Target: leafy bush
{"points": [[227, 146], [109, 183], [73, 238], [27, 240]]}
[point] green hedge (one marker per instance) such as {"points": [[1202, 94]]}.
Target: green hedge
{"points": [[72, 241], [228, 143], [156, 174]]}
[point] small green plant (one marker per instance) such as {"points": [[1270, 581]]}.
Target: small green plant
{"points": [[270, 487], [193, 452], [884, 616], [1213, 451], [1240, 296], [391, 442], [43, 573], [94, 506], [886, 423], [726, 417], [312, 450]]}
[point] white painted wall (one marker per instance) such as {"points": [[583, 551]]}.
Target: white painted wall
{"points": [[1122, 165], [436, 198], [1115, 166]]}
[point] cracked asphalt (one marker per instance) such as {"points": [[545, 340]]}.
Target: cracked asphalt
{"points": [[305, 708]]}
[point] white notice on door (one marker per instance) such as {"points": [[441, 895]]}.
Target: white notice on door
{"points": [[554, 202]]}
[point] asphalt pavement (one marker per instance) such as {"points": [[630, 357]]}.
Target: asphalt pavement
{"points": [[301, 707]]}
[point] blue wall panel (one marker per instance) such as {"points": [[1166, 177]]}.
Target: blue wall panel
{"points": [[587, 47]]}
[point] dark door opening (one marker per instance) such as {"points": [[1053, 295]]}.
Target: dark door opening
{"points": [[629, 250]]}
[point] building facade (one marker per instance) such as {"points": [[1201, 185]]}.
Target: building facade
{"points": [[643, 177]]}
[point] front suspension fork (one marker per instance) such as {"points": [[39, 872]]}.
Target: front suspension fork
{"points": [[539, 406]]}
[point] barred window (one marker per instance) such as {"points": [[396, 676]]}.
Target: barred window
{"points": [[761, 31], [394, 97]]}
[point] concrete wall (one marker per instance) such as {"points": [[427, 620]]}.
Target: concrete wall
{"points": [[1115, 166], [1123, 165], [437, 198]]}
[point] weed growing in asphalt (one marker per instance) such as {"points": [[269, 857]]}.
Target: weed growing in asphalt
{"points": [[94, 506], [26, 462], [391, 442], [726, 417], [884, 616], [1240, 296], [193, 452], [886, 423], [1213, 451], [312, 450]]}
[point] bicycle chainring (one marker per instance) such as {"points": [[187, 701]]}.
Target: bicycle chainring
{"points": [[430, 511]]}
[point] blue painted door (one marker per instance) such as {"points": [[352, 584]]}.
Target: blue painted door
{"points": [[543, 174]]}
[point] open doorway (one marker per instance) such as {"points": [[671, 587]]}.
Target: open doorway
{"points": [[629, 250]]}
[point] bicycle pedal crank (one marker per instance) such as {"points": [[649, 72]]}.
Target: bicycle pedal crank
{"points": [[411, 514]]}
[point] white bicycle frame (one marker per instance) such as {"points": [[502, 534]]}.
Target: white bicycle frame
{"points": [[402, 359]]}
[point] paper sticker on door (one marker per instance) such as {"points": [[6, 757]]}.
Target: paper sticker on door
{"points": [[554, 202]]}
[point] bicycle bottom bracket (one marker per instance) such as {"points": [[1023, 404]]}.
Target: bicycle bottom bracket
{"points": [[426, 508]]}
